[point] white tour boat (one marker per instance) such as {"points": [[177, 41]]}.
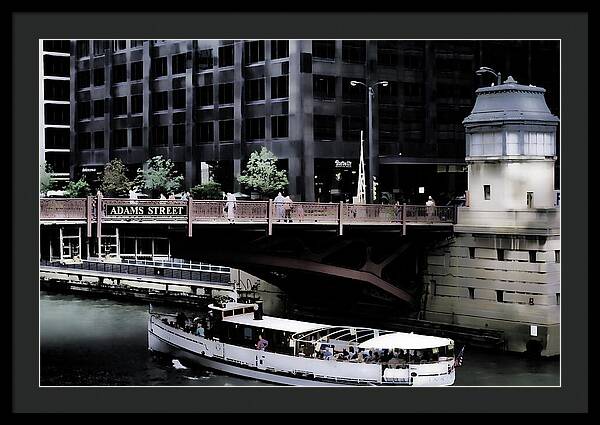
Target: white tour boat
{"points": [[302, 353]]}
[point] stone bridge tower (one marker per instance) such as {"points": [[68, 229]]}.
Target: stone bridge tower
{"points": [[502, 270]]}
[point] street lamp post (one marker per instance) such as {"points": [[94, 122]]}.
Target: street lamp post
{"points": [[486, 70], [372, 150]]}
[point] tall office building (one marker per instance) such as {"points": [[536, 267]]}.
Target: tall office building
{"points": [[208, 104], [54, 89]]}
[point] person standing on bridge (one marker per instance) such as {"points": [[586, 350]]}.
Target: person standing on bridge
{"points": [[230, 207], [430, 204], [279, 206], [287, 208]]}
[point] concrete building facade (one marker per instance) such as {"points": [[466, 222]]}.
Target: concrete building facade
{"points": [[207, 104], [54, 109]]}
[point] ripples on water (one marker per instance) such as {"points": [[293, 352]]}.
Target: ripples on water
{"points": [[102, 342]]}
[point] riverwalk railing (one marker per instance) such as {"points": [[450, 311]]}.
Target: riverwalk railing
{"points": [[212, 274], [100, 210]]}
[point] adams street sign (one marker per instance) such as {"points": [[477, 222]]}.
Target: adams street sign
{"points": [[146, 210]]}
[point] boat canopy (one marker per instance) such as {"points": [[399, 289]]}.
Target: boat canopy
{"points": [[275, 323], [407, 341]]}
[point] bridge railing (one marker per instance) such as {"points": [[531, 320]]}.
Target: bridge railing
{"points": [[209, 211], [423, 214], [304, 212], [371, 213]]}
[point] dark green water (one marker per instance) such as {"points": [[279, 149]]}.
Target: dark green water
{"points": [[86, 341]]}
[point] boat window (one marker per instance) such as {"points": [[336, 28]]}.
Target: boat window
{"points": [[228, 313], [238, 311], [247, 333], [249, 310]]}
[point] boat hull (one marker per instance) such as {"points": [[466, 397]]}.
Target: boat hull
{"points": [[210, 354]]}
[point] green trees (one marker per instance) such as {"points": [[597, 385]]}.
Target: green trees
{"points": [[114, 179], [209, 190], [78, 189], [261, 174], [45, 180], [160, 177]]}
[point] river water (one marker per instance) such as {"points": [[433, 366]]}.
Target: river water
{"points": [[90, 341]]}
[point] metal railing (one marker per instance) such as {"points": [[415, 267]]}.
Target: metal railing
{"points": [[154, 271], [119, 210]]}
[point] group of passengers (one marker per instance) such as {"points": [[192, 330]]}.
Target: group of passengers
{"points": [[388, 357]]}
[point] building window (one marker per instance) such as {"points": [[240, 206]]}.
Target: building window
{"points": [[205, 59], [487, 192], [499, 296], [159, 67], [56, 46], [472, 293], [255, 89], [413, 90], [179, 63], [226, 56], [471, 252], [120, 106], [355, 93], [137, 104], [56, 66], [100, 46], [351, 127], [226, 93], [388, 95], [83, 79], [529, 199], [225, 130], [99, 140], [324, 127], [387, 53], [84, 140], [389, 130], [255, 128], [137, 138], [279, 87], [160, 136], [323, 87], [160, 101], [136, 43], [323, 49], [254, 51], [179, 99], [82, 48], [137, 70], [279, 126], [533, 256], [179, 134], [99, 108], [83, 110], [204, 96], [500, 254], [98, 77], [558, 299], [119, 73], [57, 138], [354, 51], [56, 114], [119, 45], [119, 139], [56, 90], [206, 132], [280, 49], [557, 256]]}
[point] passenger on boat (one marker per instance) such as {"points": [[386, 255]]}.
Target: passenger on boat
{"points": [[200, 329], [262, 343], [181, 320]]}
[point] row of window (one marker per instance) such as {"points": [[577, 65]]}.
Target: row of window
{"points": [[254, 90], [254, 129], [324, 129], [99, 47], [119, 75], [324, 88]]}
